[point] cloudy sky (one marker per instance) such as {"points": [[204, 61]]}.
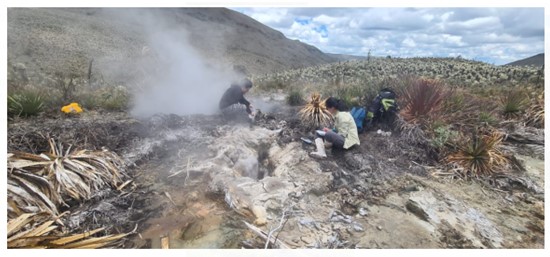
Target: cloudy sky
{"points": [[493, 35]]}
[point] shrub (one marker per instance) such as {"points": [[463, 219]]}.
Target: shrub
{"points": [[114, 98], [442, 136], [295, 98]]}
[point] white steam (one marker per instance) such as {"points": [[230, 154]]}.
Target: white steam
{"points": [[178, 79]]}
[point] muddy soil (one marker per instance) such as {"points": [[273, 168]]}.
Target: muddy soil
{"points": [[197, 180]]}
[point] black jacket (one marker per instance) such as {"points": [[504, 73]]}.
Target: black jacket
{"points": [[233, 95]]}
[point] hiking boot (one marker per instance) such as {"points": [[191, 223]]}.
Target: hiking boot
{"points": [[320, 153]]}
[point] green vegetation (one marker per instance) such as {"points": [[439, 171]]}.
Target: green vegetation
{"points": [[514, 102], [442, 136], [25, 100], [25, 104], [295, 98], [440, 99]]}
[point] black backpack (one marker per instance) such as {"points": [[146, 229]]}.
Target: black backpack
{"points": [[383, 104]]}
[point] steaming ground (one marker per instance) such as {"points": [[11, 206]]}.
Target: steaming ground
{"points": [[374, 196], [198, 178]]}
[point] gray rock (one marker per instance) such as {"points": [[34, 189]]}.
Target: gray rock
{"points": [[363, 212], [307, 239], [306, 221], [358, 228], [415, 208]]}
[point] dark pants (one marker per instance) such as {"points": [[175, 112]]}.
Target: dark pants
{"points": [[337, 140]]}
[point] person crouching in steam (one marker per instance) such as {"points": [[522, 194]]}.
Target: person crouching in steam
{"points": [[235, 95]]}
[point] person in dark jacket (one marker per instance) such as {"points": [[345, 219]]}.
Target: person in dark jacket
{"points": [[235, 94]]}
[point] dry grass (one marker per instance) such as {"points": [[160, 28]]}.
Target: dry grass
{"points": [[534, 115], [39, 184], [315, 113], [44, 182], [37, 231]]}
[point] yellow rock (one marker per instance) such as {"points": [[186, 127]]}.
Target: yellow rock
{"points": [[261, 215]]}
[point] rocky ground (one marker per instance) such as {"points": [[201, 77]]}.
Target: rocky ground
{"points": [[219, 181]]}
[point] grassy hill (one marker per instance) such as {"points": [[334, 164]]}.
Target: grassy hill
{"points": [[49, 40], [535, 60]]}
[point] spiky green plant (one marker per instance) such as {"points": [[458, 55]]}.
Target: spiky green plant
{"points": [[514, 102], [479, 155], [487, 118], [25, 104]]}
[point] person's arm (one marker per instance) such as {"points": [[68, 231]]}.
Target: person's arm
{"points": [[243, 100]]}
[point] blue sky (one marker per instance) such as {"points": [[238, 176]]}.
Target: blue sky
{"points": [[493, 35]]}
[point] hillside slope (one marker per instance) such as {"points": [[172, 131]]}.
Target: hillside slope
{"points": [[535, 60], [49, 40]]}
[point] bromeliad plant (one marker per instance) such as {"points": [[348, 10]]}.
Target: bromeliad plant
{"points": [[514, 102], [315, 112], [479, 155], [422, 101], [25, 104]]}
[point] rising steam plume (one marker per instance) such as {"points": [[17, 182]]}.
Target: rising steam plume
{"points": [[176, 78]]}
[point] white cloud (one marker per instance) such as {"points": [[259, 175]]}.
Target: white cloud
{"points": [[409, 42], [482, 33]]}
